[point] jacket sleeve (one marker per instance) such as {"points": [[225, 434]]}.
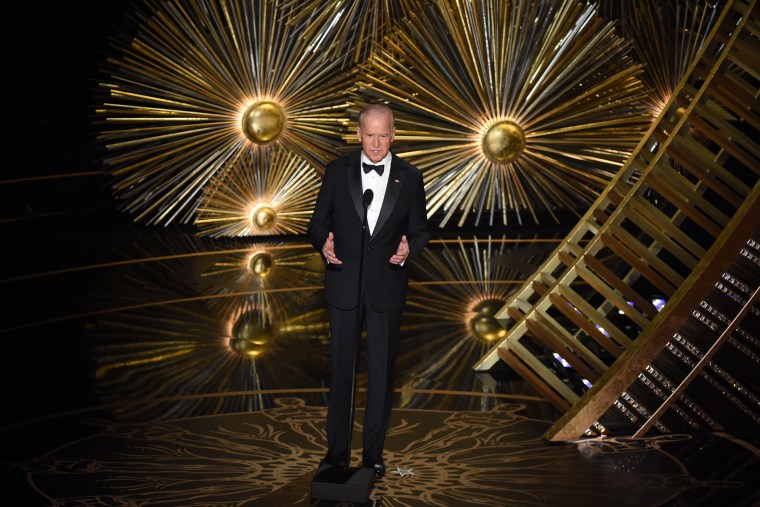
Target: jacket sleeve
{"points": [[418, 233], [322, 217]]}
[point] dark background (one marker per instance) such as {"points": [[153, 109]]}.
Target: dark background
{"points": [[54, 200], [52, 53]]}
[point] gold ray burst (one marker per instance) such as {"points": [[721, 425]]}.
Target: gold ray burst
{"points": [[203, 81], [261, 193], [509, 106], [357, 24], [666, 37]]}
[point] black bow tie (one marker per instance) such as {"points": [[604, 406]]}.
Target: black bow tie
{"points": [[370, 167]]}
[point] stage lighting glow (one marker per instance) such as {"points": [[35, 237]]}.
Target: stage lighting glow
{"points": [[561, 360]]}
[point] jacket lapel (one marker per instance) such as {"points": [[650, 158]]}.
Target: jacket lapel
{"points": [[355, 183], [392, 191]]}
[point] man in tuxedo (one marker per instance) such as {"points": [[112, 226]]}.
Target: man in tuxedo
{"points": [[396, 233]]}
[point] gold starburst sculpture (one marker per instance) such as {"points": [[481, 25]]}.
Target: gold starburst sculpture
{"points": [[204, 82], [509, 106], [263, 192]]}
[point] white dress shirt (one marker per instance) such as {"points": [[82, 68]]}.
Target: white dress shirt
{"points": [[377, 184]]}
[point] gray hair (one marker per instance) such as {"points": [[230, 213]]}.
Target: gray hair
{"points": [[376, 108]]}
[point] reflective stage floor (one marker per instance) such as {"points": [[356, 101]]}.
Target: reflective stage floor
{"points": [[148, 366]]}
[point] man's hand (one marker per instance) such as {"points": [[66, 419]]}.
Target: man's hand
{"points": [[328, 250], [402, 252]]}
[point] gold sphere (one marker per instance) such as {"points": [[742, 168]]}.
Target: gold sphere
{"points": [[484, 325], [264, 217], [260, 265], [503, 142], [264, 122], [489, 306], [251, 335]]}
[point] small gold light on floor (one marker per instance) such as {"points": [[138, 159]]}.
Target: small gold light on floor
{"points": [[484, 324], [252, 335], [263, 216], [503, 142], [264, 122], [260, 265]]}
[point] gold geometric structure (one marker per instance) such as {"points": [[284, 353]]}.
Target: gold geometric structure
{"points": [[508, 106], [202, 82], [680, 220], [262, 192]]}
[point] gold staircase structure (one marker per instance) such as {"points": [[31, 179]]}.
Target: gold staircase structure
{"points": [[680, 220]]}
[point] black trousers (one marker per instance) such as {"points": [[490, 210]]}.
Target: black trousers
{"points": [[383, 330]]}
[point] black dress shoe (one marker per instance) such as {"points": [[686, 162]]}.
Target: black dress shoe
{"points": [[379, 470]]}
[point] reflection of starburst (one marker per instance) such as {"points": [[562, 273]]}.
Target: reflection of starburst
{"points": [[210, 331], [509, 105], [267, 266], [204, 81], [262, 193], [457, 291], [666, 38], [283, 276]]}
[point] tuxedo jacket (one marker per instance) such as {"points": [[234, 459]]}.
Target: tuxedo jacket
{"points": [[339, 210]]}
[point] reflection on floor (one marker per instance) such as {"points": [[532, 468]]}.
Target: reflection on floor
{"points": [[159, 368]]}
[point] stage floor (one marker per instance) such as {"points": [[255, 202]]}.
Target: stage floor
{"points": [[148, 366], [267, 457]]}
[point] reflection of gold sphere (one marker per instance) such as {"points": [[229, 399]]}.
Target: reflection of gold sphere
{"points": [[264, 217], [251, 336], [260, 265], [264, 122], [484, 324], [503, 142]]}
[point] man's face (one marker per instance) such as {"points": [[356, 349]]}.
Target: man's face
{"points": [[376, 135]]}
